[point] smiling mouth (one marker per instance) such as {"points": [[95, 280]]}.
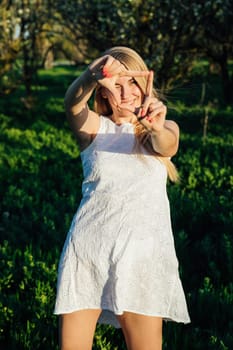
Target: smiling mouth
{"points": [[130, 106], [128, 109]]}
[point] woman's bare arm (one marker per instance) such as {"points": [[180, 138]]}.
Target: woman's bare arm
{"points": [[166, 141], [82, 120]]}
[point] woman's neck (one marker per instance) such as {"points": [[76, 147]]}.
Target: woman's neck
{"points": [[119, 119]]}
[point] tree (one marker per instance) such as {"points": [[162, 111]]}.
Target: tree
{"points": [[26, 40], [159, 31], [170, 34], [9, 47], [215, 39]]}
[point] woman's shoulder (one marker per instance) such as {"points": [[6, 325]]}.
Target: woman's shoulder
{"points": [[86, 129]]}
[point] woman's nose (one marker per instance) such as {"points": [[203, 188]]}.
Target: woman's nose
{"points": [[125, 92]]}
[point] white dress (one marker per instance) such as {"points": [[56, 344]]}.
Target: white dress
{"points": [[119, 254]]}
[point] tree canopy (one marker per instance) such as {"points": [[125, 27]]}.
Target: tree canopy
{"points": [[170, 35]]}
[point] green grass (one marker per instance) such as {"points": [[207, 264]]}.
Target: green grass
{"points": [[41, 176]]}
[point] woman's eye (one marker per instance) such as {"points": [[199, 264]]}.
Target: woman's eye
{"points": [[117, 86], [132, 82]]}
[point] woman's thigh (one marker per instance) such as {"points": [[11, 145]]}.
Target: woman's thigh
{"points": [[76, 329], [141, 332]]}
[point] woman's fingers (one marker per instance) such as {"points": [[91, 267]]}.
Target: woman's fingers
{"points": [[155, 116], [149, 85], [107, 67], [158, 113], [148, 93], [133, 73], [112, 67]]}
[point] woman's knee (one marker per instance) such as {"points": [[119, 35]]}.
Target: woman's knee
{"points": [[141, 332], [76, 329]]}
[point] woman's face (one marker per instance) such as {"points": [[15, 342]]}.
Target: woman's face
{"points": [[127, 93]]}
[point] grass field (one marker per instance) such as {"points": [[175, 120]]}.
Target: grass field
{"points": [[41, 176]]}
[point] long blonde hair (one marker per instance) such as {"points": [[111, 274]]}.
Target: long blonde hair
{"points": [[132, 61]]}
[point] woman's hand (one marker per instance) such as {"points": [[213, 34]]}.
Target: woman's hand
{"points": [[106, 70], [152, 114]]}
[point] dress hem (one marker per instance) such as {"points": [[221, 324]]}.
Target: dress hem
{"points": [[119, 313]]}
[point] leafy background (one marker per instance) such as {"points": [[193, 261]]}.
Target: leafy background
{"points": [[41, 176]]}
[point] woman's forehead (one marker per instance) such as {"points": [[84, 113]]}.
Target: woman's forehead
{"points": [[124, 79]]}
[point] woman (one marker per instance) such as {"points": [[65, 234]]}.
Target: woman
{"points": [[118, 264]]}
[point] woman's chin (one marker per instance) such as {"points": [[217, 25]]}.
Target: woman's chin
{"points": [[127, 108]]}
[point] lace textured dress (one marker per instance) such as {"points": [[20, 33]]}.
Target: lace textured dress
{"points": [[119, 253]]}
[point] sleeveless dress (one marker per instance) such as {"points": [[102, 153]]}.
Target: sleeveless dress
{"points": [[119, 254]]}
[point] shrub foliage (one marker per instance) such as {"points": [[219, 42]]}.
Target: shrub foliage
{"points": [[41, 176]]}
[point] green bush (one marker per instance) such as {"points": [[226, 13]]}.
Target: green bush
{"points": [[27, 296], [41, 175]]}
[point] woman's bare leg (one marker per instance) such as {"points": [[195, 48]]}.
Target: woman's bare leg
{"points": [[77, 329], [141, 332]]}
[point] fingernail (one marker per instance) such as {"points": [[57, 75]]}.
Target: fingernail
{"points": [[105, 73]]}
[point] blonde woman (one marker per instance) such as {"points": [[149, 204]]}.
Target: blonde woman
{"points": [[118, 265]]}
